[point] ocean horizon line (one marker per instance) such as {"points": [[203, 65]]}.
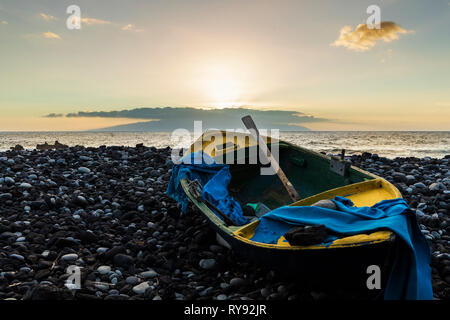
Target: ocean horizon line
{"points": [[293, 131]]}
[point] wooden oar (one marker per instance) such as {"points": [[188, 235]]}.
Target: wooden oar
{"points": [[251, 126], [195, 189]]}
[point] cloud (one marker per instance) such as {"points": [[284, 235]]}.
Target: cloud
{"points": [[167, 119], [47, 17], [96, 22], [363, 39], [51, 35], [43, 35], [54, 115], [93, 21], [131, 27], [5, 22]]}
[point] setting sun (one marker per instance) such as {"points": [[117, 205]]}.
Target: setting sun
{"points": [[223, 86]]}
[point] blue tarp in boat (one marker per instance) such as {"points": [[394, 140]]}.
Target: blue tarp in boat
{"points": [[214, 179]]}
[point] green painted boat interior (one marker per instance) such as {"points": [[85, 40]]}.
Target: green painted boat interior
{"points": [[308, 171]]}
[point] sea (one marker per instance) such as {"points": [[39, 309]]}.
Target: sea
{"points": [[390, 144]]}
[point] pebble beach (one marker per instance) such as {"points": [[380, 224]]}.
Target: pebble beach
{"points": [[104, 209]]}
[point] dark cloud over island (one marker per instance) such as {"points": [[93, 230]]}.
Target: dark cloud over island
{"points": [[168, 118]]}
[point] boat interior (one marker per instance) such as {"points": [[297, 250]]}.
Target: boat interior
{"points": [[309, 173]]}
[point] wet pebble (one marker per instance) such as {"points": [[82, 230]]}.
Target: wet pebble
{"points": [[69, 257], [207, 263], [104, 269], [141, 288]]}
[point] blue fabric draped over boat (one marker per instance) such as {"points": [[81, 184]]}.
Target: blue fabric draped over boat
{"points": [[410, 277], [214, 179]]}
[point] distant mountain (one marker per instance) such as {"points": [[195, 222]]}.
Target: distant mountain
{"points": [[168, 119], [163, 126]]}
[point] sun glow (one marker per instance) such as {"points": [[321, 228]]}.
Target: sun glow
{"points": [[223, 86]]}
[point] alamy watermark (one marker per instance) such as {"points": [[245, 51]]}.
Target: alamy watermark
{"points": [[229, 147], [374, 280], [73, 282], [73, 22], [374, 20]]}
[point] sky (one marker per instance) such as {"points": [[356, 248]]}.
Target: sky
{"points": [[317, 58]]}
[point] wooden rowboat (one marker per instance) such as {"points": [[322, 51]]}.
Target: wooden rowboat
{"points": [[316, 177]]}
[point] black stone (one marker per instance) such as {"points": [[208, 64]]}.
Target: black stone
{"points": [[123, 260], [307, 235]]}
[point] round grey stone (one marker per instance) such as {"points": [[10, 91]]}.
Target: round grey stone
{"points": [[17, 256], [237, 282], [9, 180], [84, 170], [132, 280], [102, 249], [102, 286], [148, 274], [207, 264], [141, 288], [69, 257], [104, 269], [420, 185], [25, 269], [265, 292]]}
